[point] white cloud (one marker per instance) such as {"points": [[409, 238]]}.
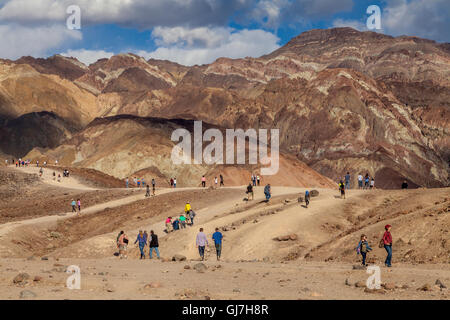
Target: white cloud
{"points": [[18, 41], [226, 43], [423, 18], [136, 13], [88, 56]]}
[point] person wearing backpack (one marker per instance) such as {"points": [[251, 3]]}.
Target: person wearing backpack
{"points": [[342, 189], [363, 248], [307, 197], [191, 216], [250, 191], [154, 245], [387, 243], [267, 192], [122, 243]]}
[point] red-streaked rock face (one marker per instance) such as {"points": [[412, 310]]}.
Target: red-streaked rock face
{"points": [[343, 100]]}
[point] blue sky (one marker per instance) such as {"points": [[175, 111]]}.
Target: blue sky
{"points": [[198, 31]]}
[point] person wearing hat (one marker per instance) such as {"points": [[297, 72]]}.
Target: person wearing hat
{"points": [[387, 241]]}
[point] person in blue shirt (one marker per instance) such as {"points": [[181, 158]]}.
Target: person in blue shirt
{"points": [[217, 237], [142, 239], [307, 198]]}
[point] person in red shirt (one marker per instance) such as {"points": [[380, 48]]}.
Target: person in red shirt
{"points": [[387, 240]]}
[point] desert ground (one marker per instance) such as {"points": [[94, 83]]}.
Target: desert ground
{"points": [[275, 250]]}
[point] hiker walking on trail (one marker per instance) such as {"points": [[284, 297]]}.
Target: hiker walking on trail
{"points": [[203, 182], [154, 187], [267, 192], [307, 197], [201, 243], [147, 194], [372, 183], [59, 177], [347, 180], [191, 216], [250, 191], [258, 180], [363, 248], [221, 181], [73, 204], [174, 183], [215, 182], [366, 181], [254, 180], [127, 182], [217, 237], [41, 172], [79, 205], [142, 239], [171, 182], [154, 245], [387, 242], [342, 189], [360, 181], [122, 243], [405, 185]]}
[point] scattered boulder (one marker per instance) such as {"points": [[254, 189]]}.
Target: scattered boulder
{"points": [[27, 294], [178, 257], [389, 286], [293, 237], [314, 193], [200, 267], [348, 283], [440, 284], [360, 284], [44, 258], [153, 285], [425, 287], [21, 278], [187, 267], [37, 278]]}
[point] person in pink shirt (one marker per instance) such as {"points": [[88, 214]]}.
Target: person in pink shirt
{"points": [[169, 224], [203, 181]]}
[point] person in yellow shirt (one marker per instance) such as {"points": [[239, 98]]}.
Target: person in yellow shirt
{"points": [[187, 207]]}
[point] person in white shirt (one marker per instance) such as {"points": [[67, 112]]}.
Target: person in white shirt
{"points": [[360, 181]]}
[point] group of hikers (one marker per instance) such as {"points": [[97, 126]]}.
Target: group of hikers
{"points": [[143, 239], [25, 163], [363, 247], [216, 181], [76, 205], [364, 183], [250, 192], [185, 219], [140, 183]]}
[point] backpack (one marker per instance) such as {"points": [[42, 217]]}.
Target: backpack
{"points": [[363, 247], [192, 213]]}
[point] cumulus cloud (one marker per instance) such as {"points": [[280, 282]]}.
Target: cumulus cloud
{"points": [[423, 18], [18, 41], [135, 13], [88, 56], [169, 13], [190, 47]]}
